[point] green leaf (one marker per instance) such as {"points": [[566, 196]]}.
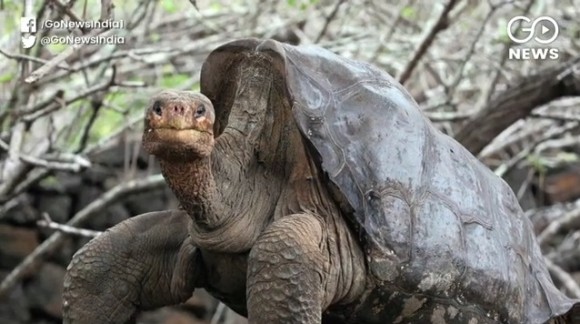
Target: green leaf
{"points": [[105, 124], [50, 182], [408, 12], [174, 81], [169, 6], [117, 99], [56, 47], [537, 162], [502, 34], [503, 38], [6, 77], [154, 37], [215, 6], [291, 3], [195, 87]]}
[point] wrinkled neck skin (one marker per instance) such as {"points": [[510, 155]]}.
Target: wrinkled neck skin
{"points": [[216, 226], [194, 186]]}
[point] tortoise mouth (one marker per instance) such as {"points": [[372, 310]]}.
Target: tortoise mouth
{"points": [[175, 135]]}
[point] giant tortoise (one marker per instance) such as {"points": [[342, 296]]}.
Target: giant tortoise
{"points": [[314, 190]]}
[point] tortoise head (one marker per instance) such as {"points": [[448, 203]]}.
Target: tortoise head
{"points": [[179, 126]]}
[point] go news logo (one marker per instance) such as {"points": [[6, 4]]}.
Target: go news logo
{"points": [[544, 30]]}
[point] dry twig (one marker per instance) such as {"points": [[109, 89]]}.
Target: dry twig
{"points": [[517, 102], [564, 277], [66, 229], [557, 225], [440, 25]]}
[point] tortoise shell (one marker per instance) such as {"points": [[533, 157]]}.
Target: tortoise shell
{"points": [[434, 220]]}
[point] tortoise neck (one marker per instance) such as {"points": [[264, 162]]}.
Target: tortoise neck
{"points": [[193, 184], [222, 220]]}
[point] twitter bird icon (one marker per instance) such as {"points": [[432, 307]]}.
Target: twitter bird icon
{"points": [[28, 40]]}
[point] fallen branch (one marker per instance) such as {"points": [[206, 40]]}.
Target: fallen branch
{"points": [[47, 222], [79, 163], [517, 102], [556, 117], [447, 116], [521, 155], [115, 194], [557, 225], [542, 217], [219, 313], [567, 254], [564, 277]]}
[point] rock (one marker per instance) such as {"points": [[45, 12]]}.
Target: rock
{"points": [[97, 175], [71, 184], [517, 179], [576, 276], [14, 306], [23, 213], [44, 291], [60, 183], [112, 215], [15, 244], [201, 303], [115, 155], [148, 201], [67, 249], [232, 317], [169, 315], [87, 195], [58, 207], [563, 185]]}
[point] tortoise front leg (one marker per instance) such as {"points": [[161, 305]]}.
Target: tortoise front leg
{"points": [[285, 272], [142, 263]]}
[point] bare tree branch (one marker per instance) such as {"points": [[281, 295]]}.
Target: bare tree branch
{"points": [[557, 225], [77, 165], [518, 101], [66, 229], [58, 59], [440, 25], [107, 7], [564, 277], [219, 313], [553, 133], [328, 20]]}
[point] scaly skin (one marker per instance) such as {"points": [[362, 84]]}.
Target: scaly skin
{"points": [[143, 263], [285, 278], [270, 241]]}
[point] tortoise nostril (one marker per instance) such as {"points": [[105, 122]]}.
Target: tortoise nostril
{"points": [[157, 108], [177, 109]]}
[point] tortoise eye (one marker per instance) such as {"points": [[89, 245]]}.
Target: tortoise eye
{"points": [[200, 111], [157, 108]]}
